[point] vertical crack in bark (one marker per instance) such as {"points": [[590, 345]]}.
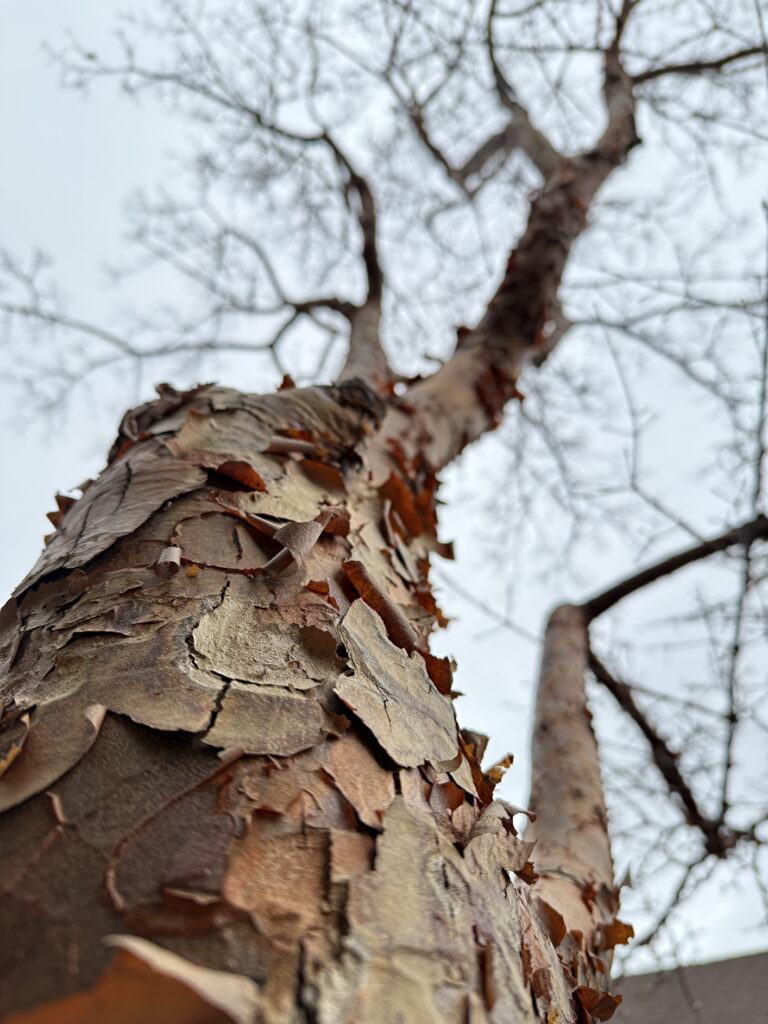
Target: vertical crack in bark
{"points": [[84, 524], [126, 483], [193, 653]]}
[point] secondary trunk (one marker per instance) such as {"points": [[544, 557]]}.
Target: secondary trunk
{"points": [[233, 784]]}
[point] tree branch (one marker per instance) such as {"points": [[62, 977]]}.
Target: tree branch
{"points": [[466, 397], [699, 67], [357, 192], [366, 218], [520, 132], [366, 358], [746, 533], [31, 312], [718, 838]]}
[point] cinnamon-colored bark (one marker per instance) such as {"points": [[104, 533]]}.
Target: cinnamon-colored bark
{"points": [[242, 792], [238, 774]]}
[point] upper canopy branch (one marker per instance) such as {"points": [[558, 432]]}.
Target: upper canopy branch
{"points": [[745, 533], [522, 321], [367, 358], [700, 67], [518, 134], [521, 131], [356, 185]]}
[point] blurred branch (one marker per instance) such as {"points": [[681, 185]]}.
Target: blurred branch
{"points": [[719, 839], [31, 312], [672, 903], [700, 67], [746, 533], [520, 132]]}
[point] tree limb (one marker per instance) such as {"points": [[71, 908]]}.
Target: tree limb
{"points": [[358, 196], [718, 838], [699, 67], [743, 534], [366, 358], [520, 132], [465, 398], [51, 317]]}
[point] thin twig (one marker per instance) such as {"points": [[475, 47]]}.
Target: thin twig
{"points": [[718, 839]]}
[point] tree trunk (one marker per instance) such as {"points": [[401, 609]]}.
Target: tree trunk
{"points": [[234, 786]]}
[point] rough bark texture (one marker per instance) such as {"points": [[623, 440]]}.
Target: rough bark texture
{"points": [[255, 772], [225, 742]]}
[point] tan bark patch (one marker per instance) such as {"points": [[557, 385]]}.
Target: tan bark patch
{"points": [[150, 678], [269, 723], [368, 787], [393, 695], [299, 788], [124, 496], [59, 734], [240, 642], [351, 855], [279, 881], [231, 433], [220, 541]]}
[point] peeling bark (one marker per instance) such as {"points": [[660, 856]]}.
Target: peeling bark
{"points": [[258, 776], [227, 745]]}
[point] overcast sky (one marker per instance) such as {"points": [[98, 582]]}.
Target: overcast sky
{"points": [[68, 164]]}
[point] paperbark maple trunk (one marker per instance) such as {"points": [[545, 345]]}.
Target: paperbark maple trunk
{"points": [[239, 793], [232, 780]]}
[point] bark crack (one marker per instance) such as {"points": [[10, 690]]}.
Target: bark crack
{"points": [[126, 485], [221, 693]]}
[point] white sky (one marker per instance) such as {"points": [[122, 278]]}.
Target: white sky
{"points": [[68, 164]]}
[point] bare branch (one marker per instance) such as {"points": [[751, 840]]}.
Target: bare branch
{"points": [[622, 21], [719, 839], [700, 67], [746, 533], [366, 218], [520, 132], [672, 904], [33, 312], [366, 358]]}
